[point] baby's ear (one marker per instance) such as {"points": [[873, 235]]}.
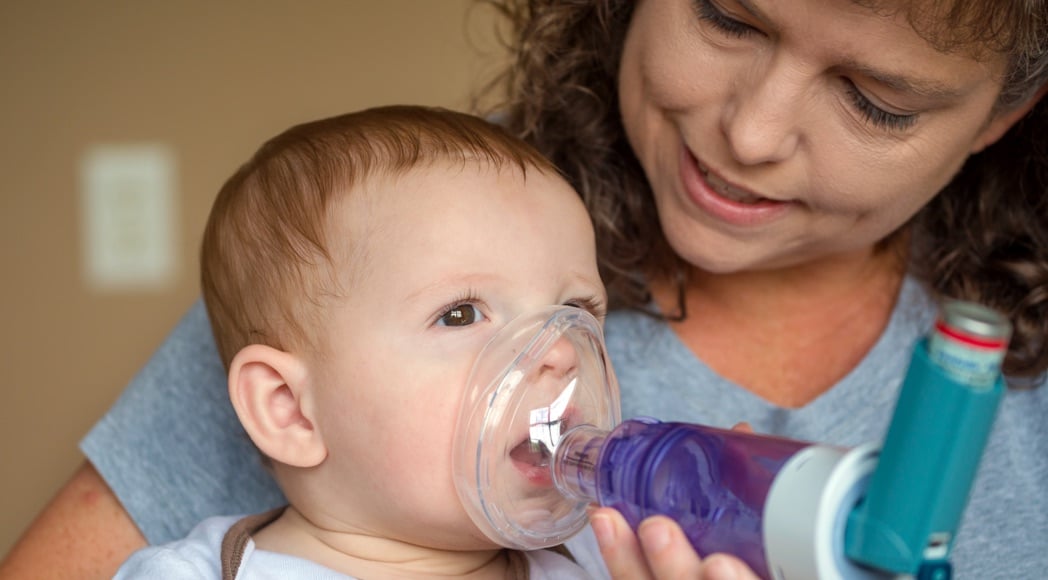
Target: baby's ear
{"points": [[270, 392]]}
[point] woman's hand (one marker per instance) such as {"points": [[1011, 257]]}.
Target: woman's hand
{"points": [[659, 551]]}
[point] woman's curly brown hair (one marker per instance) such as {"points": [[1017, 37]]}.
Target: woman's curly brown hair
{"points": [[984, 238]]}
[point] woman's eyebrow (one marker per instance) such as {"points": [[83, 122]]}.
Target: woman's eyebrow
{"points": [[749, 6], [904, 84], [896, 82]]}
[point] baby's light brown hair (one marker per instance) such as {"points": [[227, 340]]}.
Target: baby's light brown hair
{"points": [[266, 270]]}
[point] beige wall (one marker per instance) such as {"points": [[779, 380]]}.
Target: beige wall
{"points": [[212, 79]]}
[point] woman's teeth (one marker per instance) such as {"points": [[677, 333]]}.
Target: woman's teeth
{"points": [[726, 190]]}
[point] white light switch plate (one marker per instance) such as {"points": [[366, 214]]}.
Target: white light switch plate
{"points": [[128, 205]]}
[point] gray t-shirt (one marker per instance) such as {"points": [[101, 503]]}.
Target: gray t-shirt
{"points": [[173, 452]]}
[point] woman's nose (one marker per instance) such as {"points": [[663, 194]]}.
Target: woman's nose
{"points": [[761, 121]]}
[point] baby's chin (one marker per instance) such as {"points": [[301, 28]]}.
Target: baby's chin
{"points": [[463, 536], [473, 540]]}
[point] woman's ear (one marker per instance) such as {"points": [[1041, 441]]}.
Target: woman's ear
{"points": [[270, 391], [1003, 121]]}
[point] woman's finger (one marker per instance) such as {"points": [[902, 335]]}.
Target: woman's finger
{"points": [[667, 551], [658, 551], [726, 567], [619, 546], [670, 556]]}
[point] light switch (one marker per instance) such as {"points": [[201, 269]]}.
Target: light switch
{"points": [[128, 205]]}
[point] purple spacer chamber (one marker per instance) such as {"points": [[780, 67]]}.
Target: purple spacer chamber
{"points": [[713, 482]]}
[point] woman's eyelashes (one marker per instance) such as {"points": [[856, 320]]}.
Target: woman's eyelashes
{"points": [[876, 115], [721, 21]]}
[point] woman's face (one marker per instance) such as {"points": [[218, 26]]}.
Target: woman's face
{"points": [[783, 132]]}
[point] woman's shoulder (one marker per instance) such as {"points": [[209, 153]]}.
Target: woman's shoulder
{"points": [[173, 416]]}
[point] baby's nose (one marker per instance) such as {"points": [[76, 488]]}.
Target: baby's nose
{"points": [[560, 359]]}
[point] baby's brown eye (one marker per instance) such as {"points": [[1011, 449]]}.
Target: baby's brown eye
{"points": [[460, 315]]}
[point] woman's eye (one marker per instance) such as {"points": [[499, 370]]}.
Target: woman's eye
{"points": [[721, 21], [460, 315], [876, 115]]}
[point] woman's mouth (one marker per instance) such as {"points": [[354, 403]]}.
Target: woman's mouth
{"points": [[727, 190], [729, 203]]}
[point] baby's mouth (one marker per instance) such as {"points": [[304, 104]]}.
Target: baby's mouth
{"points": [[532, 459], [547, 425], [532, 453]]}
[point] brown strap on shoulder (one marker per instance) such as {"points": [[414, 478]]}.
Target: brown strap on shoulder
{"points": [[518, 569], [236, 538], [563, 551]]}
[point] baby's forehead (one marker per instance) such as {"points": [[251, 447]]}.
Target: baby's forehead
{"points": [[453, 192], [450, 220], [446, 179]]}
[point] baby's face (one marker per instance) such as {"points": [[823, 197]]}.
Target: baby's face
{"points": [[435, 262]]}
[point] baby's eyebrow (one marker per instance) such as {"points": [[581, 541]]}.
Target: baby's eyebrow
{"points": [[454, 280]]}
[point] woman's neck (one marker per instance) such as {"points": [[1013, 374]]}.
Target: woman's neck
{"points": [[787, 335], [363, 555]]}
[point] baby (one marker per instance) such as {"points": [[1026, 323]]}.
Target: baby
{"points": [[352, 270]]}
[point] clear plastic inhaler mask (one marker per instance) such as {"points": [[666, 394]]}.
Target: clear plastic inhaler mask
{"points": [[541, 376]]}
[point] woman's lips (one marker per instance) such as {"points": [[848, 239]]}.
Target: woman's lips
{"points": [[723, 200]]}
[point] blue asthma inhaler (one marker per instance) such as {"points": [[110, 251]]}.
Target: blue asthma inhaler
{"points": [[908, 518]]}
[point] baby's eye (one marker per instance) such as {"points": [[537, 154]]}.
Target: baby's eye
{"points": [[460, 315], [591, 304]]}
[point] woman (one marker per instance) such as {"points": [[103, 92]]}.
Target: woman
{"points": [[781, 190], [791, 193]]}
